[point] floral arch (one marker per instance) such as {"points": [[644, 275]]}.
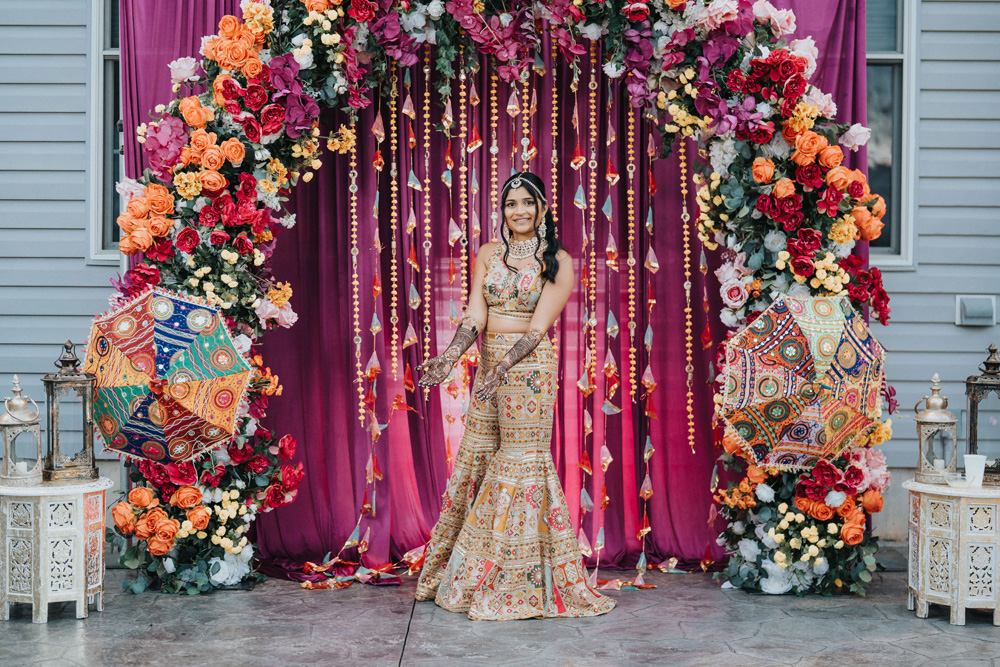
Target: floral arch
{"points": [[771, 191]]}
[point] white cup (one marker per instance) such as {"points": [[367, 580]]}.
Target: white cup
{"points": [[975, 466]]}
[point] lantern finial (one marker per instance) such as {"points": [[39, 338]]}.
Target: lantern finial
{"points": [[991, 366], [68, 362]]}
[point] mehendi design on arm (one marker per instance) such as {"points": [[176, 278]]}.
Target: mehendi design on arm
{"points": [[497, 375]]}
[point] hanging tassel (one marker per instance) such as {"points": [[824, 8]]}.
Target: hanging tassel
{"points": [[414, 182], [513, 108], [353, 540], [611, 176], [410, 337], [454, 233], [612, 253], [412, 141], [588, 423], [578, 160], [584, 463], [606, 458], [376, 287], [612, 325], [646, 490], [605, 498], [408, 377], [586, 503], [648, 451], [585, 547], [651, 262], [408, 107], [648, 381], [580, 200], [412, 259], [644, 528], [607, 210], [378, 129], [448, 118], [411, 221], [475, 141], [376, 325], [373, 368]]}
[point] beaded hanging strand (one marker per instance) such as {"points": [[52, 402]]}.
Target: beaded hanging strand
{"points": [[394, 218], [463, 170], [688, 340], [591, 236], [525, 122], [355, 285], [427, 206], [631, 261], [494, 150], [554, 191]]}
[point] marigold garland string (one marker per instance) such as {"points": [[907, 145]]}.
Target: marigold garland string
{"points": [[355, 284], [394, 218], [688, 339], [591, 236], [494, 150], [554, 189], [463, 171], [427, 205]]}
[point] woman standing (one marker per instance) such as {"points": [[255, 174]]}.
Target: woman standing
{"points": [[504, 546]]}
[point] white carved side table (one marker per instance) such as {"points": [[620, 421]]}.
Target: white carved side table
{"points": [[954, 555], [52, 546]]}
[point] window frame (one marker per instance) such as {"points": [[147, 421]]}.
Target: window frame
{"points": [[906, 57], [99, 254]]}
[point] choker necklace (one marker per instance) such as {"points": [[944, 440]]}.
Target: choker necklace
{"points": [[523, 249]]}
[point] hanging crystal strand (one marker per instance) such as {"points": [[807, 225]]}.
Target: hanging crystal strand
{"points": [[427, 206], [355, 284]]}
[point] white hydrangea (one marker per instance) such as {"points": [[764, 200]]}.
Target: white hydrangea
{"points": [[798, 291], [613, 70], [287, 221], [436, 9], [738, 527], [228, 571], [841, 250], [835, 499], [722, 153], [592, 31]]}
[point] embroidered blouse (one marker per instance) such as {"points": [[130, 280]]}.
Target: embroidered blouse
{"points": [[511, 294]]}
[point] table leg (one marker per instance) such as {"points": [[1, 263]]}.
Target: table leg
{"points": [[921, 607], [5, 611], [910, 601], [40, 612], [957, 614]]}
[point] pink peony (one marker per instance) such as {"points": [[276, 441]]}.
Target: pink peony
{"points": [[163, 145], [266, 310], [717, 14], [734, 293], [857, 135], [782, 20], [878, 469]]}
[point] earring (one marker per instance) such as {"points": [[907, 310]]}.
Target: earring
{"points": [[505, 232]]}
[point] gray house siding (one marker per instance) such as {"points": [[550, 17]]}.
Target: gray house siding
{"points": [[49, 291], [956, 226]]}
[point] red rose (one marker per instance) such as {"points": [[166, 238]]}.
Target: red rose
{"points": [[857, 293], [251, 128], [214, 476], [218, 238], [795, 87], [231, 106], [258, 464], [247, 188], [826, 474], [275, 497], [811, 489], [143, 276], [812, 239], [155, 473], [181, 474], [854, 476], [239, 454], [242, 244], [230, 89], [786, 70], [791, 203], [255, 97], [791, 221], [362, 10], [762, 133], [736, 80], [188, 239], [765, 204], [802, 266], [161, 251], [856, 190], [636, 11], [291, 477], [810, 176], [263, 434], [208, 216], [829, 201], [286, 448], [272, 117]]}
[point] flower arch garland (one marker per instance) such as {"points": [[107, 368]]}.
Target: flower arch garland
{"points": [[205, 215]]}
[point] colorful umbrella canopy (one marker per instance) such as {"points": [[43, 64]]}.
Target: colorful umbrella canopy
{"points": [[169, 377], [802, 382]]}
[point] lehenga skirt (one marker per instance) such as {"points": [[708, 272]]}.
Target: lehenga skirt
{"points": [[504, 546]]}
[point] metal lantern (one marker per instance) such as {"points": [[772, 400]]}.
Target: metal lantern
{"points": [[977, 388], [937, 433], [69, 382], [19, 419]]}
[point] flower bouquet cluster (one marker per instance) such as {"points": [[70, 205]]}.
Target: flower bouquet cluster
{"points": [[804, 531]]}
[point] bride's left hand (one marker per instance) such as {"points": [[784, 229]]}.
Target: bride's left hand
{"points": [[490, 383]]}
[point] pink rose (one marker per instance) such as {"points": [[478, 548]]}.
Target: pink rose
{"points": [[286, 316], [857, 135], [822, 101], [183, 69], [807, 51], [782, 20], [734, 293], [716, 14], [266, 311]]}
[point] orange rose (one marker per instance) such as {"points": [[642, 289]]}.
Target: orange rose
{"points": [[217, 86], [878, 209], [789, 133], [872, 501], [229, 26], [187, 157], [763, 170], [831, 156], [159, 199], [210, 48], [846, 509], [126, 247], [869, 228], [137, 207], [185, 497], [199, 517], [193, 113], [212, 180], [166, 529], [200, 140], [756, 475], [674, 4], [124, 518], [212, 158], [234, 151], [783, 187], [160, 226], [731, 445], [321, 5], [838, 178], [817, 509], [159, 547], [146, 525], [140, 238], [141, 496], [252, 67], [807, 145], [853, 533], [126, 222], [236, 54]]}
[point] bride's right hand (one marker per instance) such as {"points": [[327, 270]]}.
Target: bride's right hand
{"points": [[435, 371]]}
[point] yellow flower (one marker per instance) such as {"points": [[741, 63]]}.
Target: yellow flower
{"points": [[280, 295], [187, 184], [779, 557]]}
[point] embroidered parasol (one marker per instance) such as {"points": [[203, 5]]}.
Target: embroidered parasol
{"points": [[802, 382], [169, 377]]}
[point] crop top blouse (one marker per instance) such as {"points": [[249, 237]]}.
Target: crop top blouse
{"points": [[511, 294]]}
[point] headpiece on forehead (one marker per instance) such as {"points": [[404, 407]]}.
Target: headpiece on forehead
{"points": [[519, 181]]}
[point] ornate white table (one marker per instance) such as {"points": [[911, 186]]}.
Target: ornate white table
{"points": [[954, 549], [52, 546]]}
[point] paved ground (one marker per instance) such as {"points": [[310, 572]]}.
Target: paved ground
{"points": [[687, 620]]}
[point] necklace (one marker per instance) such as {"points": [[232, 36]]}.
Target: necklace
{"points": [[523, 249]]}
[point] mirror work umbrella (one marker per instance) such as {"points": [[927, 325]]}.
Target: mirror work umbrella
{"points": [[170, 379], [802, 382]]}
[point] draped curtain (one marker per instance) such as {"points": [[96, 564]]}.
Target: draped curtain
{"points": [[316, 360]]}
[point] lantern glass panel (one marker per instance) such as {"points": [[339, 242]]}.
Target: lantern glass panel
{"points": [[988, 427], [71, 422], [24, 453], [940, 444]]}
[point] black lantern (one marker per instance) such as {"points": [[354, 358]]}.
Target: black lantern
{"points": [[64, 388], [977, 388]]}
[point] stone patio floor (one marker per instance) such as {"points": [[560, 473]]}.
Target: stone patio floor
{"points": [[686, 620]]}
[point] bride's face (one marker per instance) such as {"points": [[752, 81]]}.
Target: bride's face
{"points": [[522, 213]]}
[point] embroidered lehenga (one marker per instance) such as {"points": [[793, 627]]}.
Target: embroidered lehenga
{"points": [[504, 546]]}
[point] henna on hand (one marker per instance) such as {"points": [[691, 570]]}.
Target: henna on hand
{"points": [[437, 369], [497, 375]]}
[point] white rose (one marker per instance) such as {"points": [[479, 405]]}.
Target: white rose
{"points": [[749, 549], [183, 69], [821, 567], [169, 565], [219, 571], [835, 499], [721, 154], [778, 580], [613, 70], [729, 318], [738, 527], [775, 241], [436, 9], [592, 31], [857, 135], [764, 493], [798, 291], [776, 148]]}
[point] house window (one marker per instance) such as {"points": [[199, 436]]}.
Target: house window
{"points": [[889, 116], [106, 133]]}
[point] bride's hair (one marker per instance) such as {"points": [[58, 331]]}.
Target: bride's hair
{"points": [[534, 185]]}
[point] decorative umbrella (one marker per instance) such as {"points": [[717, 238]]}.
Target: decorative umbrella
{"points": [[169, 377], [802, 382]]}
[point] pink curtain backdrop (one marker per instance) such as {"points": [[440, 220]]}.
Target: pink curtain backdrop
{"points": [[315, 358]]}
